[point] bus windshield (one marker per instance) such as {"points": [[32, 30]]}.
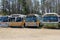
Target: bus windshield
{"points": [[3, 19], [31, 19], [50, 18]]}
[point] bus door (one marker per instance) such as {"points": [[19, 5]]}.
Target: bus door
{"points": [[12, 21], [19, 22]]}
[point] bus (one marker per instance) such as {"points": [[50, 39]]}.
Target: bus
{"points": [[50, 19], [3, 21], [31, 21], [59, 21], [16, 22]]}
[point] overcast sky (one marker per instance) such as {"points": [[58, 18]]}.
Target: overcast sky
{"points": [[1, 3]]}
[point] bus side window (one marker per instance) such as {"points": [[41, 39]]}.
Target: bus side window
{"points": [[19, 19], [11, 19]]}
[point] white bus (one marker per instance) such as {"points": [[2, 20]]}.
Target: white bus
{"points": [[50, 19]]}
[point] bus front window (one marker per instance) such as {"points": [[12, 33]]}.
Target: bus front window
{"points": [[12, 19], [3, 19], [50, 18], [31, 19]]}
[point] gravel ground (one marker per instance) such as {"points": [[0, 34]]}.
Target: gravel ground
{"points": [[29, 34]]}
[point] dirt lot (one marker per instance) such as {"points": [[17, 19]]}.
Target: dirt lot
{"points": [[29, 34]]}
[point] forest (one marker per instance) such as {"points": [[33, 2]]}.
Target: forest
{"points": [[8, 7]]}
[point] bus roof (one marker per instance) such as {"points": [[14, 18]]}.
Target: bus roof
{"points": [[17, 15], [50, 13], [33, 15]]}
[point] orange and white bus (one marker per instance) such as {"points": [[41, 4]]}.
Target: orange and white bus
{"points": [[31, 21], [16, 22]]}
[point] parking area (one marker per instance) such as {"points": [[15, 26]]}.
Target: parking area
{"points": [[29, 34]]}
